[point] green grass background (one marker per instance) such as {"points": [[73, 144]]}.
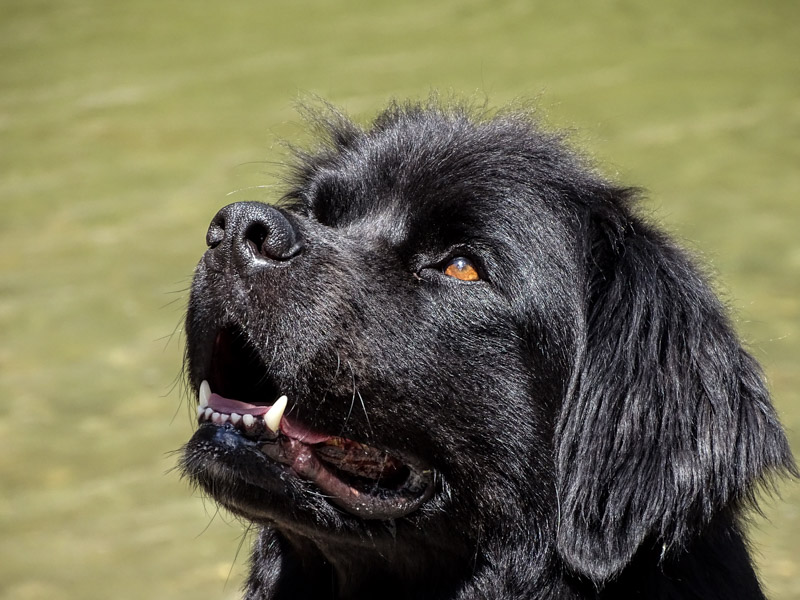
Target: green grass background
{"points": [[125, 125]]}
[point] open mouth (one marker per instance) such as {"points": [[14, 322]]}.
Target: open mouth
{"points": [[363, 480]]}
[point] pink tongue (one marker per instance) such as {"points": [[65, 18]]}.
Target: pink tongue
{"points": [[290, 429]]}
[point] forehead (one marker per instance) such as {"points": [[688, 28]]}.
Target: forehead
{"points": [[444, 177]]}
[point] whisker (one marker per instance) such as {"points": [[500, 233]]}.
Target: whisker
{"points": [[366, 416], [352, 400]]}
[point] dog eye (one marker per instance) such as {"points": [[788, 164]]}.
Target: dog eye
{"points": [[462, 268]]}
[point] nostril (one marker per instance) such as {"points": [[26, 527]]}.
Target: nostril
{"points": [[255, 235], [272, 238], [216, 232]]}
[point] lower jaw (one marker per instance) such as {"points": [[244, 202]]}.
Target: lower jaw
{"points": [[287, 457]]}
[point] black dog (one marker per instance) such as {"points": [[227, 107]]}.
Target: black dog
{"points": [[499, 381]]}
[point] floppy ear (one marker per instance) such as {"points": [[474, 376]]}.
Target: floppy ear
{"points": [[668, 420]]}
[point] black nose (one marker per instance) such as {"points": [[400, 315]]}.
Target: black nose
{"points": [[253, 235]]}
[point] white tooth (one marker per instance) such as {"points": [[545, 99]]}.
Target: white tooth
{"points": [[235, 418], [216, 418], [207, 414], [204, 394], [225, 418], [248, 420], [200, 411], [274, 415]]}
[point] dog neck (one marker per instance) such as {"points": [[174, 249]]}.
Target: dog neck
{"points": [[289, 565]]}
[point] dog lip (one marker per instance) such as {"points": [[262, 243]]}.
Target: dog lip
{"points": [[301, 458]]}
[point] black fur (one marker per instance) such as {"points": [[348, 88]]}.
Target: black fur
{"points": [[594, 427]]}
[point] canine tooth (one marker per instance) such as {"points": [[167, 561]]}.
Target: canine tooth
{"points": [[248, 420], [204, 394], [274, 415], [235, 418], [207, 414]]}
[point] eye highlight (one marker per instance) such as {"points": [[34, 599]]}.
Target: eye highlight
{"points": [[461, 268]]}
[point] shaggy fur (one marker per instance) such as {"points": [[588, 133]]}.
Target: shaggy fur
{"points": [[593, 427]]}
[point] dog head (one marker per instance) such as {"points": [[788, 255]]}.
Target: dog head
{"points": [[480, 346]]}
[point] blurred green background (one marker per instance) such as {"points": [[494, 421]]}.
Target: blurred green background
{"points": [[125, 125]]}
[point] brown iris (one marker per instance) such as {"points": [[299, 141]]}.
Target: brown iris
{"points": [[462, 268]]}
